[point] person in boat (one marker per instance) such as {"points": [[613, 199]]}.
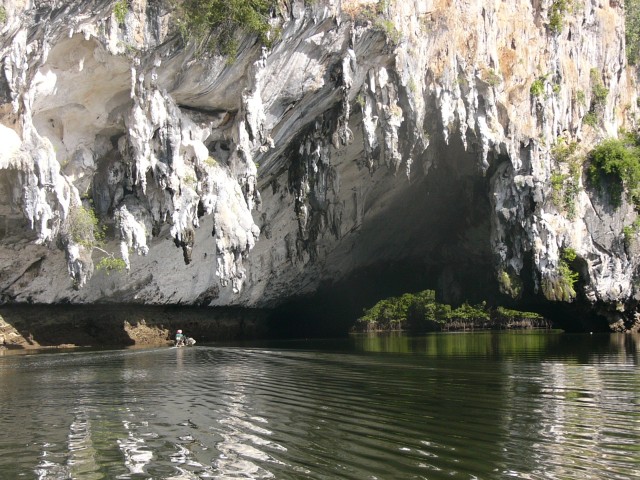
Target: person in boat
{"points": [[180, 339]]}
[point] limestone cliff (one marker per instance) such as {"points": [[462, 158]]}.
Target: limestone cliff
{"points": [[416, 138]]}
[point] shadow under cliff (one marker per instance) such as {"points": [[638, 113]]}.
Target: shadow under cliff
{"points": [[33, 326]]}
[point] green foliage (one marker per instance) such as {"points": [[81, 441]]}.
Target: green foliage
{"points": [[615, 164], [631, 231], [421, 312], [567, 274], [210, 162], [3, 15], [537, 87], [517, 314], [466, 312], [599, 95], [598, 91], [561, 285], [591, 119], [632, 30], [190, 180], [566, 187], [510, 284], [557, 186], [580, 97], [111, 264], [571, 190], [391, 311], [556, 15], [213, 23], [83, 227], [563, 150], [120, 10]]}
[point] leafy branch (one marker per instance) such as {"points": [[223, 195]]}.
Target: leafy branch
{"points": [[213, 23]]}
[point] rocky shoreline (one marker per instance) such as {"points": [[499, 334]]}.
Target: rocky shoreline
{"points": [[52, 326]]}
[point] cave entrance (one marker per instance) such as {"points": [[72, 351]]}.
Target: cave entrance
{"points": [[434, 234]]}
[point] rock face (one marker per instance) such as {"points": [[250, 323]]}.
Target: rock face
{"points": [[419, 140]]}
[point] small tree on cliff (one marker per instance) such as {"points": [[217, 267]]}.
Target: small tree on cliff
{"points": [[83, 228], [214, 23]]}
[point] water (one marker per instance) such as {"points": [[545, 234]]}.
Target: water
{"points": [[461, 406]]}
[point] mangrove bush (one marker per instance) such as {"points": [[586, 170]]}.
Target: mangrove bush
{"points": [[420, 312]]}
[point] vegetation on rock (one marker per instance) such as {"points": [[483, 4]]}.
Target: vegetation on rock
{"points": [[374, 13], [631, 231], [565, 187], [420, 312], [537, 87], [109, 264], [556, 15], [632, 30], [120, 10], [567, 274], [510, 284], [213, 23], [615, 168], [599, 95], [83, 228]]}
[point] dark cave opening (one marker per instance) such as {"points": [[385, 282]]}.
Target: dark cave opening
{"points": [[435, 234], [334, 308]]}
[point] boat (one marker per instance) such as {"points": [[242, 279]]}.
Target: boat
{"points": [[188, 342]]}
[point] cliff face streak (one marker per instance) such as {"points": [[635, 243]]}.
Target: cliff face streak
{"points": [[358, 156]]}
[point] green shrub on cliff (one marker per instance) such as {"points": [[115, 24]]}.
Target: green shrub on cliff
{"points": [[83, 227], [214, 23], [599, 92], [537, 87], [510, 284], [631, 231], [556, 15], [111, 264], [120, 10], [632, 30], [568, 275], [615, 167], [565, 182]]}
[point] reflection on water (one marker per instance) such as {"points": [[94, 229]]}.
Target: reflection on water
{"points": [[483, 405]]}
